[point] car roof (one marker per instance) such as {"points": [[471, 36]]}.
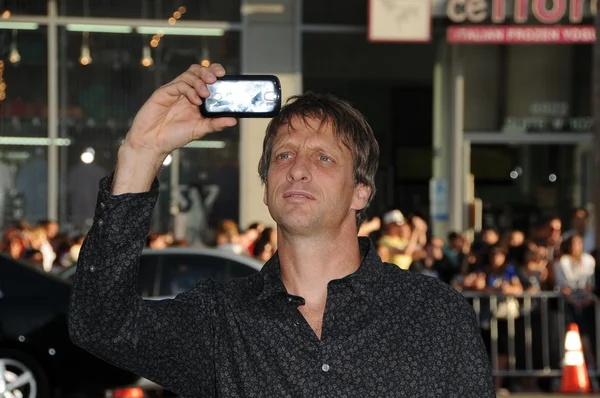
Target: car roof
{"points": [[226, 254]]}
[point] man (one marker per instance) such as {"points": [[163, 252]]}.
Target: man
{"points": [[580, 225], [324, 317]]}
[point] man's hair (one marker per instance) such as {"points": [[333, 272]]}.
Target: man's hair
{"points": [[349, 125]]}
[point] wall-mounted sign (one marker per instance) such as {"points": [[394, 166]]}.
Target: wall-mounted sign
{"points": [[523, 11], [548, 117], [520, 21], [521, 34], [400, 21]]}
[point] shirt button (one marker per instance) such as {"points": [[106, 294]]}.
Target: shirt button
{"points": [[100, 223], [325, 368], [92, 268], [102, 205], [290, 299]]}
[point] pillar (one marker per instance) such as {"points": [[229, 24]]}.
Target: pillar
{"points": [[271, 44], [438, 187]]}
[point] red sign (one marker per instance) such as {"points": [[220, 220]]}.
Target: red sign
{"points": [[521, 34], [544, 11]]}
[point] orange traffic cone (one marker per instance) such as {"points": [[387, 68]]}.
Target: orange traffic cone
{"points": [[574, 375]]}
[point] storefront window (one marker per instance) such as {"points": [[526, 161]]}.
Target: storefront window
{"points": [[528, 88], [319, 12], [518, 184], [206, 10], [23, 127], [101, 96], [23, 7]]}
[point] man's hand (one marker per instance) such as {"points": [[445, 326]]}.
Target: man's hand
{"points": [[169, 120]]}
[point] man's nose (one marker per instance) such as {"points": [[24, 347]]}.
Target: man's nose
{"points": [[300, 169]]}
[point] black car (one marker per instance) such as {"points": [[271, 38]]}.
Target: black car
{"points": [[164, 273], [167, 272], [37, 358]]}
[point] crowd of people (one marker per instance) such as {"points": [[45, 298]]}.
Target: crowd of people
{"points": [[547, 258]]}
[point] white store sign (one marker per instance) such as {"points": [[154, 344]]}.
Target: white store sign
{"points": [[400, 21]]}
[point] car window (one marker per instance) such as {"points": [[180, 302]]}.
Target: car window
{"points": [[181, 272], [239, 270], [147, 275]]}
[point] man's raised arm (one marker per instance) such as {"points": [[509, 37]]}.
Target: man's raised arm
{"points": [[169, 341]]}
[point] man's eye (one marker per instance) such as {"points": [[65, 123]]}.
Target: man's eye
{"points": [[283, 156], [325, 158]]}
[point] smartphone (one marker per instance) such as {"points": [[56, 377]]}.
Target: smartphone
{"points": [[243, 96]]}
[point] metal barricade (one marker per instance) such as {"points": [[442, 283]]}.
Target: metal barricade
{"points": [[533, 340]]}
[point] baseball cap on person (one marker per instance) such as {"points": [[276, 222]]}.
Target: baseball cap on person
{"points": [[394, 217]]}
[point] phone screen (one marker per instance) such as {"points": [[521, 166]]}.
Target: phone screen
{"points": [[242, 96]]}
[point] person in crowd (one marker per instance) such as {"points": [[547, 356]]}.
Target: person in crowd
{"points": [[324, 317], [435, 263], [575, 271], [580, 221], [265, 245], [228, 235], [39, 242], [400, 241], [502, 279]]}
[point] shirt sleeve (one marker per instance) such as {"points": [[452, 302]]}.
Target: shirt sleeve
{"points": [[470, 374], [169, 341]]}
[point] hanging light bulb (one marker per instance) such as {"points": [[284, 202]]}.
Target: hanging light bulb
{"points": [[85, 58], [147, 60], [205, 57], [14, 56]]}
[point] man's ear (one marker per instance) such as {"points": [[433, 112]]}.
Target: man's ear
{"points": [[362, 193], [265, 194]]}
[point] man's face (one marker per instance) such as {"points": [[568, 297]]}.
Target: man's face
{"points": [[310, 186]]}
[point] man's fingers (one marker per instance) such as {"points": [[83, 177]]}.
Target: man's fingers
{"points": [[208, 75], [221, 123], [181, 87], [198, 84], [206, 126]]}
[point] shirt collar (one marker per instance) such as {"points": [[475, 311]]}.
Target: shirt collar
{"points": [[366, 280]]}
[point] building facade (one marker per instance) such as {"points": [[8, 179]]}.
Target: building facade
{"points": [[475, 110]]}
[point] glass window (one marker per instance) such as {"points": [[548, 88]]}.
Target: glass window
{"points": [[103, 84], [23, 127], [181, 272], [24, 7], [345, 12], [528, 88], [519, 183], [207, 10]]}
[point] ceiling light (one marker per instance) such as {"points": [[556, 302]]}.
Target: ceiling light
{"points": [[34, 141], [99, 28], [19, 25], [151, 30]]}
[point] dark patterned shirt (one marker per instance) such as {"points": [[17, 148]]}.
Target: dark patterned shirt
{"points": [[386, 332]]}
